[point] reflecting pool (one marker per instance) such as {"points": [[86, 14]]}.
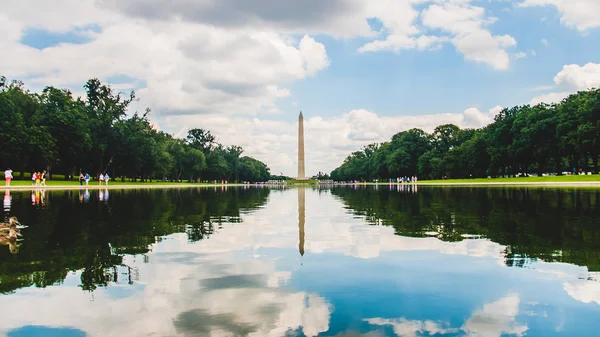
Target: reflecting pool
{"points": [[345, 261]]}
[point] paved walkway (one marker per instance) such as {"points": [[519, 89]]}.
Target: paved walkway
{"points": [[114, 187]]}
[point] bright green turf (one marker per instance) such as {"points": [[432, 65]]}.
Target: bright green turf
{"points": [[294, 181], [58, 181], [575, 178]]}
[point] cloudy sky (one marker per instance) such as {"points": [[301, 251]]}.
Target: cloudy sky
{"points": [[360, 70]]}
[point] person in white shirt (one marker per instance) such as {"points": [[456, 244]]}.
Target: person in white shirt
{"points": [[8, 176], [101, 179]]}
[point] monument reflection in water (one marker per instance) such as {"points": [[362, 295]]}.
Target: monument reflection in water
{"points": [[305, 262]]}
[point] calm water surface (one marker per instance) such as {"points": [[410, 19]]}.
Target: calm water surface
{"points": [[387, 261]]}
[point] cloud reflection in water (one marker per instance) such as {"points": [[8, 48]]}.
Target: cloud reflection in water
{"points": [[240, 281]]}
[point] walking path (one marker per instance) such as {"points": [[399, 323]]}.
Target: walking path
{"points": [[114, 187]]}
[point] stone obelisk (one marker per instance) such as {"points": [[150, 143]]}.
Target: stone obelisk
{"points": [[301, 175]]}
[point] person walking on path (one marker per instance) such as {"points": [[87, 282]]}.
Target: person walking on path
{"points": [[32, 178], [100, 179], [87, 179], [81, 179], [106, 178], [38, 177], [8, 176], [44, 178]]}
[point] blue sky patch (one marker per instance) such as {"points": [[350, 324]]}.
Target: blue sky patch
{"points": [[45, 331], [41, 39]]}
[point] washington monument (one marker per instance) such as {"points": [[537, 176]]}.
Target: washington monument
{"points": [[301, 175]]}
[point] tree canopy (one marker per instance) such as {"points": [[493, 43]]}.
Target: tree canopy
{"points": [[545, 138], [54, 131]]}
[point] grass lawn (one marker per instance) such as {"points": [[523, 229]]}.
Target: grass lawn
{"points": [[294, 181], [550, 179], [57, 181]]}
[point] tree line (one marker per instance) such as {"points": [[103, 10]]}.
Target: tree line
{"points": [[545, 138], [55, 131]]}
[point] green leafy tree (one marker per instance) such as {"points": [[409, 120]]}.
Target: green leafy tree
{"points": [[52, 130], [66, 121], [104, 108], [522, 139], [202, 140]]}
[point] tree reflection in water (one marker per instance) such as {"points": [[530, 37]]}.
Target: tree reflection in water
{"points": [[93, 237], [68, 236], [556, 225]]}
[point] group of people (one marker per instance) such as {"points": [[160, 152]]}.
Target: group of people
{"points": [[38, 179], [402, 180], [102, 178]]}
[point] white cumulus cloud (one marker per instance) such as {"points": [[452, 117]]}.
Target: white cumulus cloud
{"points": [[570, 79], [467, 24], [328, 140], [579, 14], [584, 290], [579, 77], [553, 97], [494, 320]]}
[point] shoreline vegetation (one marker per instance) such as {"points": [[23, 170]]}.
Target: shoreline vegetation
{"points": [[63, 135], [554, 181], [543, 140], [68, 136]]}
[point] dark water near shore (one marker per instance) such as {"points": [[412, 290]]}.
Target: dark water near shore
{"points": [[303, 262]]}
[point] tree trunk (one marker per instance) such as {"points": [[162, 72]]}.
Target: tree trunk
{"points": [[540, 169], [558, 165], [101, 168]]}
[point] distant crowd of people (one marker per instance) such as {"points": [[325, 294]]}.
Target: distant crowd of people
{"points": [[401, 180], [275, 182], [37, 178], [102, 178]]}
